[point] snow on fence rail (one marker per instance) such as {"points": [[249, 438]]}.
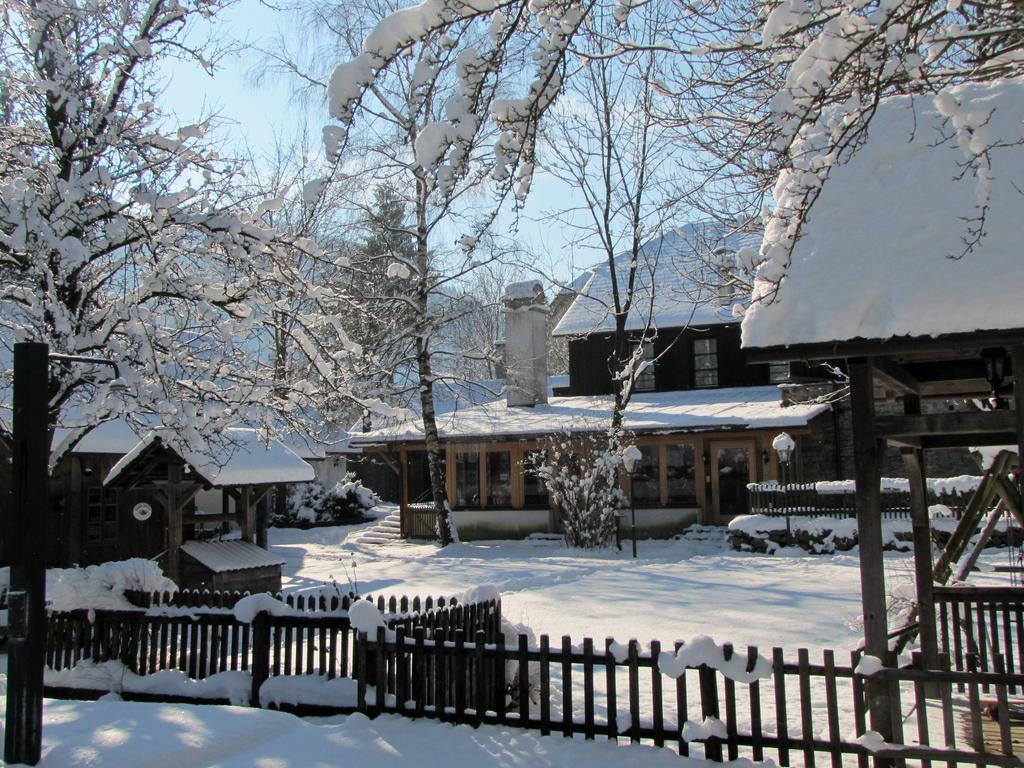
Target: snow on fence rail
{"points": [[838, 498], [455, 664]]}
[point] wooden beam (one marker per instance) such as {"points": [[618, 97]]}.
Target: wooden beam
{"points": [[894, 377], [955, 388], [867, 462], [943, 424], [175, 533], [1017, 364], [913, 461]]}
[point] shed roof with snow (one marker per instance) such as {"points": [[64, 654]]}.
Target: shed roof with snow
{"points": [[684, 267], [232, 555], [881, 256]]}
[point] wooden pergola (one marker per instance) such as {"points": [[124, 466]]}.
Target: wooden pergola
{"points": [[909, 370]]}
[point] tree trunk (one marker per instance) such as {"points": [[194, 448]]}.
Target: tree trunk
{"points": [[426, 375]]}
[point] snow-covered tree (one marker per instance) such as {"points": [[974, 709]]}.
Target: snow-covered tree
{"points": [[123, 236], [418, 131]]}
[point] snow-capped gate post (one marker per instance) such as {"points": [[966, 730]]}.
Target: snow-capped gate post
{"points": [[27, 593]]}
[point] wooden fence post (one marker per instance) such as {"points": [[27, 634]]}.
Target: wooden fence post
{"points": [[260, 655], [709, 708]]}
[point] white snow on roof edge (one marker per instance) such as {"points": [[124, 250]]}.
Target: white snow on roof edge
{"points": [[874, 257]]}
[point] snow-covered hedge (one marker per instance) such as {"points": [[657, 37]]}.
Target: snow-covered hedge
{"points": [[311, 504], [103, 586], [825, 535]]}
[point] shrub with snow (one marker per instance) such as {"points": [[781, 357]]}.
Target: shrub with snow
{"points": [[581, 474], [312, 503], [103, 586]]}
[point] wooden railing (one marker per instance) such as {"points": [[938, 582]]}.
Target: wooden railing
{"points": [[419, 521], [983, 623], [803, 499]]}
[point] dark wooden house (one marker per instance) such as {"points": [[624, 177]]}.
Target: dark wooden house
{"points": [[703, 418]]}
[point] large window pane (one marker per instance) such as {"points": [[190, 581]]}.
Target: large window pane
{"points": [[499, 479], [467, 479], [646, 481], [682, 490], [535, 493]]}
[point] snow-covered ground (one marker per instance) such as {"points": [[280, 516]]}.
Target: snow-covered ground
{"points": [[674, 590], [115, 734]]}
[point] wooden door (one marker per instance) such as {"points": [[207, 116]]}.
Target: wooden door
{"points": [[733, 465]]}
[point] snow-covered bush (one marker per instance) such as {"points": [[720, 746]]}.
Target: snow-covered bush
{"points": [[312, 503], [103, 586], [581, 474]]}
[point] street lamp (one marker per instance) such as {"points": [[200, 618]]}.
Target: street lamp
{"points": [[631, 458], [26, 596], [784, 446]]}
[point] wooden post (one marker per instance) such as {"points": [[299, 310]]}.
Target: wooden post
{"points": [[27, 552], [913, 460], [246, 513], [1017, 363], [866, 457], [175, 535], [260, 668]]}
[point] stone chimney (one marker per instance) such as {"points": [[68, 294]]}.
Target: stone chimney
{"points": [[526, 354]]}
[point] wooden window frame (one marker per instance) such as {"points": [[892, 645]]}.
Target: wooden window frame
{"points": [[697, 370], [101, 500]]}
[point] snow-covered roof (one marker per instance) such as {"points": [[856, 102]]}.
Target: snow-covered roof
{"points": [[242, 457], [115, 436], [451, 396], [877, 257], [223, 556], [680, 266], [693, 410]]}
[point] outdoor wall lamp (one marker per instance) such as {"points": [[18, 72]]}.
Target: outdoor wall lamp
{"points": [[994, 359]]}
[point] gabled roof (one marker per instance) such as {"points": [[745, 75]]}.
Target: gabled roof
{"points": [[659, 412], [242, 457], [881, 256], [681, 267]]}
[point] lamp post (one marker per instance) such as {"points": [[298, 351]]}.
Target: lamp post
{"points": [[26, 596], [631, 458], [784, 446]]}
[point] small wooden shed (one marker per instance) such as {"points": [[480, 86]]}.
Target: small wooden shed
{"points": [[243, 466], [912, 278]]}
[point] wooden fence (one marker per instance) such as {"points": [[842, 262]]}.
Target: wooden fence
{"points": [[803, 499], [985, 623], [452, 663], [800, 713], [201, 642]]}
